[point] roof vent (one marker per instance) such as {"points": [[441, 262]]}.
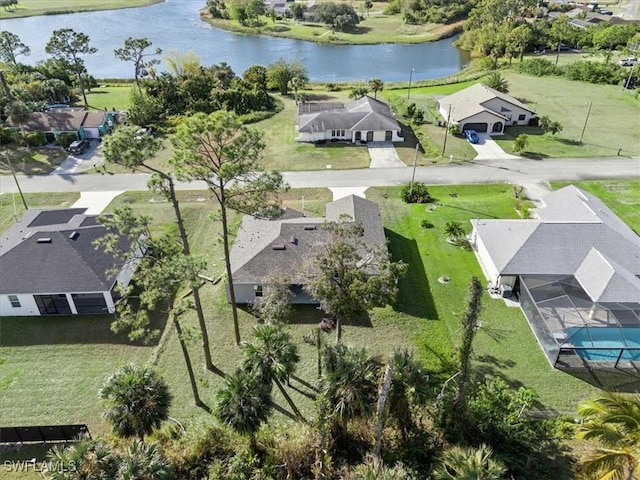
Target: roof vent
{"points": [[293, 240], [44, 240], [278, 246], [73, 235], [309, 227]]}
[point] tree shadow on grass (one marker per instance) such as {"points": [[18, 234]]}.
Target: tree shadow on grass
{"points": [[67, 330], [414, 295]]}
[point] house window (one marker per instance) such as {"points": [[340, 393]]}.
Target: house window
{"points": [[521, 117], [257, 291], [15, 303]]}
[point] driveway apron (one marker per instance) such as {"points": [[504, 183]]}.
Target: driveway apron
{"points": [[384, 155]]}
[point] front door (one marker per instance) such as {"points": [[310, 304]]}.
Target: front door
{"points": [[358, 136], [388, 136], [369, 136]]}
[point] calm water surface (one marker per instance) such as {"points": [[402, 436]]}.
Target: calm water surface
{"points": [[175, 25]]}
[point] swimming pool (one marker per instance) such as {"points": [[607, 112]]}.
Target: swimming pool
{"points": [[602, 337]]}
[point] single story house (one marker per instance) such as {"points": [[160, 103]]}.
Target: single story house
{"points": [[84, 124], [364, 119], [263, 247], [50, 266], [484, 109], [576, 272]]}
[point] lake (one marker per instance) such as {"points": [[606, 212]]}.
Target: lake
{"points": [[176, 25]]}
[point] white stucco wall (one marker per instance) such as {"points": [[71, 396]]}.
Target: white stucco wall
{"points": [[484, 259], [496, 104], [28, 307]]}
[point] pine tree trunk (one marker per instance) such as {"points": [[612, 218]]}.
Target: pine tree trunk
{"points": [[194, 290], [288, 399], [81, 86], [227, 260], [338, 330], [383, 395], [187, 359]]}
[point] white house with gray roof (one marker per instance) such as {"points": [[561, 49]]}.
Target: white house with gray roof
{"points": [[484, 109], [283, 244], [50, 266], [576, 271], [364, 119]]}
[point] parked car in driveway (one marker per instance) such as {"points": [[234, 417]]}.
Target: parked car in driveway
{"points": [[78, 147], [628, 62], [472, 136]]}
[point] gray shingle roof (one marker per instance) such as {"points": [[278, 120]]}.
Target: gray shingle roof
{"points": [[366, 113], [574, 234], [470, 101], [61, 120], [253, 255], [65, 264]]}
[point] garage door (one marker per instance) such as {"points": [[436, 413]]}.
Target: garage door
{"points": [[478, 127]]}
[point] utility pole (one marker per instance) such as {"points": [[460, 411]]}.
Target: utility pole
{"points": [[446, 132], [585, 122], [633, 48], [410, 78], [24, 202], [413, 175]]}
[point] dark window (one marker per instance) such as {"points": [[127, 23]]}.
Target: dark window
{"points": [[53, 304], [257, 290], [15, 303], [87, 303], [522, 117]]}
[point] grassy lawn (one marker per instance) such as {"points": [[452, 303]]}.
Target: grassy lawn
{"points": [[374, 28], [51, 369], [613, 124], [285, 154], [11, 206], [109, 97], [30, 160], [621, 196], [505, 345], [28, 8]]}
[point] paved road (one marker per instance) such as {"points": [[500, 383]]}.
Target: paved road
{"points": [[519, 171]]}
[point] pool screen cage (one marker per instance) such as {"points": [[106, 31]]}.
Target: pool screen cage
{"points": [[576, 332]]}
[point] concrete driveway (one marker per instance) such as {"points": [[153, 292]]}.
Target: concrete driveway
{"points": [[488, 149], [82, 162], [384, 155]]}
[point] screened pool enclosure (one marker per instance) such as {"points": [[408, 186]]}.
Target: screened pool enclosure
{"points": [[575, 331]]}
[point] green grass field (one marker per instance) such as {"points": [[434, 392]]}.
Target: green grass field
{"points": [[28, 8], [51, 369], [109, 97], [373, 28], [30, 160]]}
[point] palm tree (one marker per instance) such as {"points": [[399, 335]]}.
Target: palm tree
{"points": [[454, 231], [83, 460], [376, 85], [20, 114], [351, 383], [496, 81], [459, 463], [613, 420], [272, 357], [244, 403], [409, 388], [138, 401], [144, 462], [296, 83]]}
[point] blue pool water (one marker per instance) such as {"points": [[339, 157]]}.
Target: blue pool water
{"points": [[603, 337]]}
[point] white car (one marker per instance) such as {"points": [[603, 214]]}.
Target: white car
{"points": [[628, 62]]}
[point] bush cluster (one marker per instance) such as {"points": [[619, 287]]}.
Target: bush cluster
{"points": [[585, 71], [416, 194]]}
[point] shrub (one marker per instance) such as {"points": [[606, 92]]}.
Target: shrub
{"points": [[424, 223], [454, 129], [65, 139], [416, 194], [538, 67], [35, 139], [594, 72], [7, 135]]}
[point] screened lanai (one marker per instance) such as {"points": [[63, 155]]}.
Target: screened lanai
{"points": [[576, 331]]}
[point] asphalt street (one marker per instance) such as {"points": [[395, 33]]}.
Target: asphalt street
{"points": [[516, 171]]}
